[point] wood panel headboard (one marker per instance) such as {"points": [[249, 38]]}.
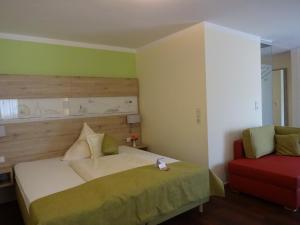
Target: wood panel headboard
{"points": [[45, 139]]}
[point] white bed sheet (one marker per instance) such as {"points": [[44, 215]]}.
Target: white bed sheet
{"points": [[128, 158], [40, 178]]}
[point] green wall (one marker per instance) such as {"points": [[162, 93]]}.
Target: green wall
{"points": [[20, 57]]}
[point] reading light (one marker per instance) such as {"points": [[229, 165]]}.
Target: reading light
{"points": [[134, 118]]}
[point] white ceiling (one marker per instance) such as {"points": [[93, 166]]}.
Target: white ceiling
{"points": [[134, 23]]}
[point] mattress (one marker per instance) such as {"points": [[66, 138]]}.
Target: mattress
{"points": [[128, 158], [40, 178]]}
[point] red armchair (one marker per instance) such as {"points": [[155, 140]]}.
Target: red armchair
{"points": [[274, 178]]}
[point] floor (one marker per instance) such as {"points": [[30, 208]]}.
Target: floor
{"points": [[235, 209]]}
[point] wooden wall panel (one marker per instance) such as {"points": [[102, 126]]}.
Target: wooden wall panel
{"points": [[34, 87], [92, 87], [45, 139], [58, 87], [38, 140]]}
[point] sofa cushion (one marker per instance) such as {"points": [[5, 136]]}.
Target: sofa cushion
{"points": [[288, 144], [281, 171], [286, 130], [258, 141]]}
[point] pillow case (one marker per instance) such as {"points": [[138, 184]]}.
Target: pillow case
{"points": [[80, 148], [287, 130], [95, 144], [288, 144], [259, 141], [109, 145]]}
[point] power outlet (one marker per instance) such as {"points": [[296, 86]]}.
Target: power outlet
{"points": [[198, 116], [2, 159]]}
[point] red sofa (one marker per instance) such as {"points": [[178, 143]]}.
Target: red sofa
{"points": [[272, 177]]}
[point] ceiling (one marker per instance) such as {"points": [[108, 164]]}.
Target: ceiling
{"points": [[134, 23]]}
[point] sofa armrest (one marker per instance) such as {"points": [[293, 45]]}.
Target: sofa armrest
{"points": [[238, 150]]}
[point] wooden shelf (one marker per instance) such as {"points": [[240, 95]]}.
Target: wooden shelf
{"points": [[142, 147], [6, 175]]}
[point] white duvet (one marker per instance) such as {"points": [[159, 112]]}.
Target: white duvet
{"points": [[128, 158]]}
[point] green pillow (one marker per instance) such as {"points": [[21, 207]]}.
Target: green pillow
{"points": [[109, 145], [286, 130], [288, 144], [258, 141]]}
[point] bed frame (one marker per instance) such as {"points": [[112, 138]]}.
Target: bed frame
{"points": [[178, 212], [47, 139]]}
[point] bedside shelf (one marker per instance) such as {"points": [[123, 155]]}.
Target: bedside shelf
{"points": [[142, 147], [6, 175]]}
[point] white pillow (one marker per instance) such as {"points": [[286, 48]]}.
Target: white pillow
{"points": [[95, 143], [86, 130], [80, 148]]}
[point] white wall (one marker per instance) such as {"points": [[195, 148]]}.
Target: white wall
{"points": [[172, 90], [233, 84], [267, 94], [204, 68], [295, 69]]}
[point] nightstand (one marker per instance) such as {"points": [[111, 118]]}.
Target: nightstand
{"points": [[142, 147], [6, 175]]}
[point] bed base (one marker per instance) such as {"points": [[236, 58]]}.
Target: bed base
{"points": [[156, 221], [22, 206], [178, 212]]}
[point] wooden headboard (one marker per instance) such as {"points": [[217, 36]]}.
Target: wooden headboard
{"points": [[45, 139]]}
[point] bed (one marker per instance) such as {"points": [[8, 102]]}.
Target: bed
{"points": [[122, 189]]}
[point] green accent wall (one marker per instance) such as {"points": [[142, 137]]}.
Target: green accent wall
{"points": [[21, 57]]}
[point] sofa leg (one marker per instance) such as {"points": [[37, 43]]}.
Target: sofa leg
{"points": [[234, 191], [201, 208], [292, 210]]}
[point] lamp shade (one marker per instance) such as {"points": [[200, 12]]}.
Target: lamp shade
{"points": [[135, 118]]}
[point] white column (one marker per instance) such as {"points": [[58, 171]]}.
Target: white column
{"points": [[295, 65]]}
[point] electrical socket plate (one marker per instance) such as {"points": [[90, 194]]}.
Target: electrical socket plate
{"points": [[2, 159]]}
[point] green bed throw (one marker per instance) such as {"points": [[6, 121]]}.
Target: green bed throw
{"points": [[132, 197]]}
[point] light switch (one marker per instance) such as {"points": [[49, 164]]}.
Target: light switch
{"points": [[256, 106]]}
